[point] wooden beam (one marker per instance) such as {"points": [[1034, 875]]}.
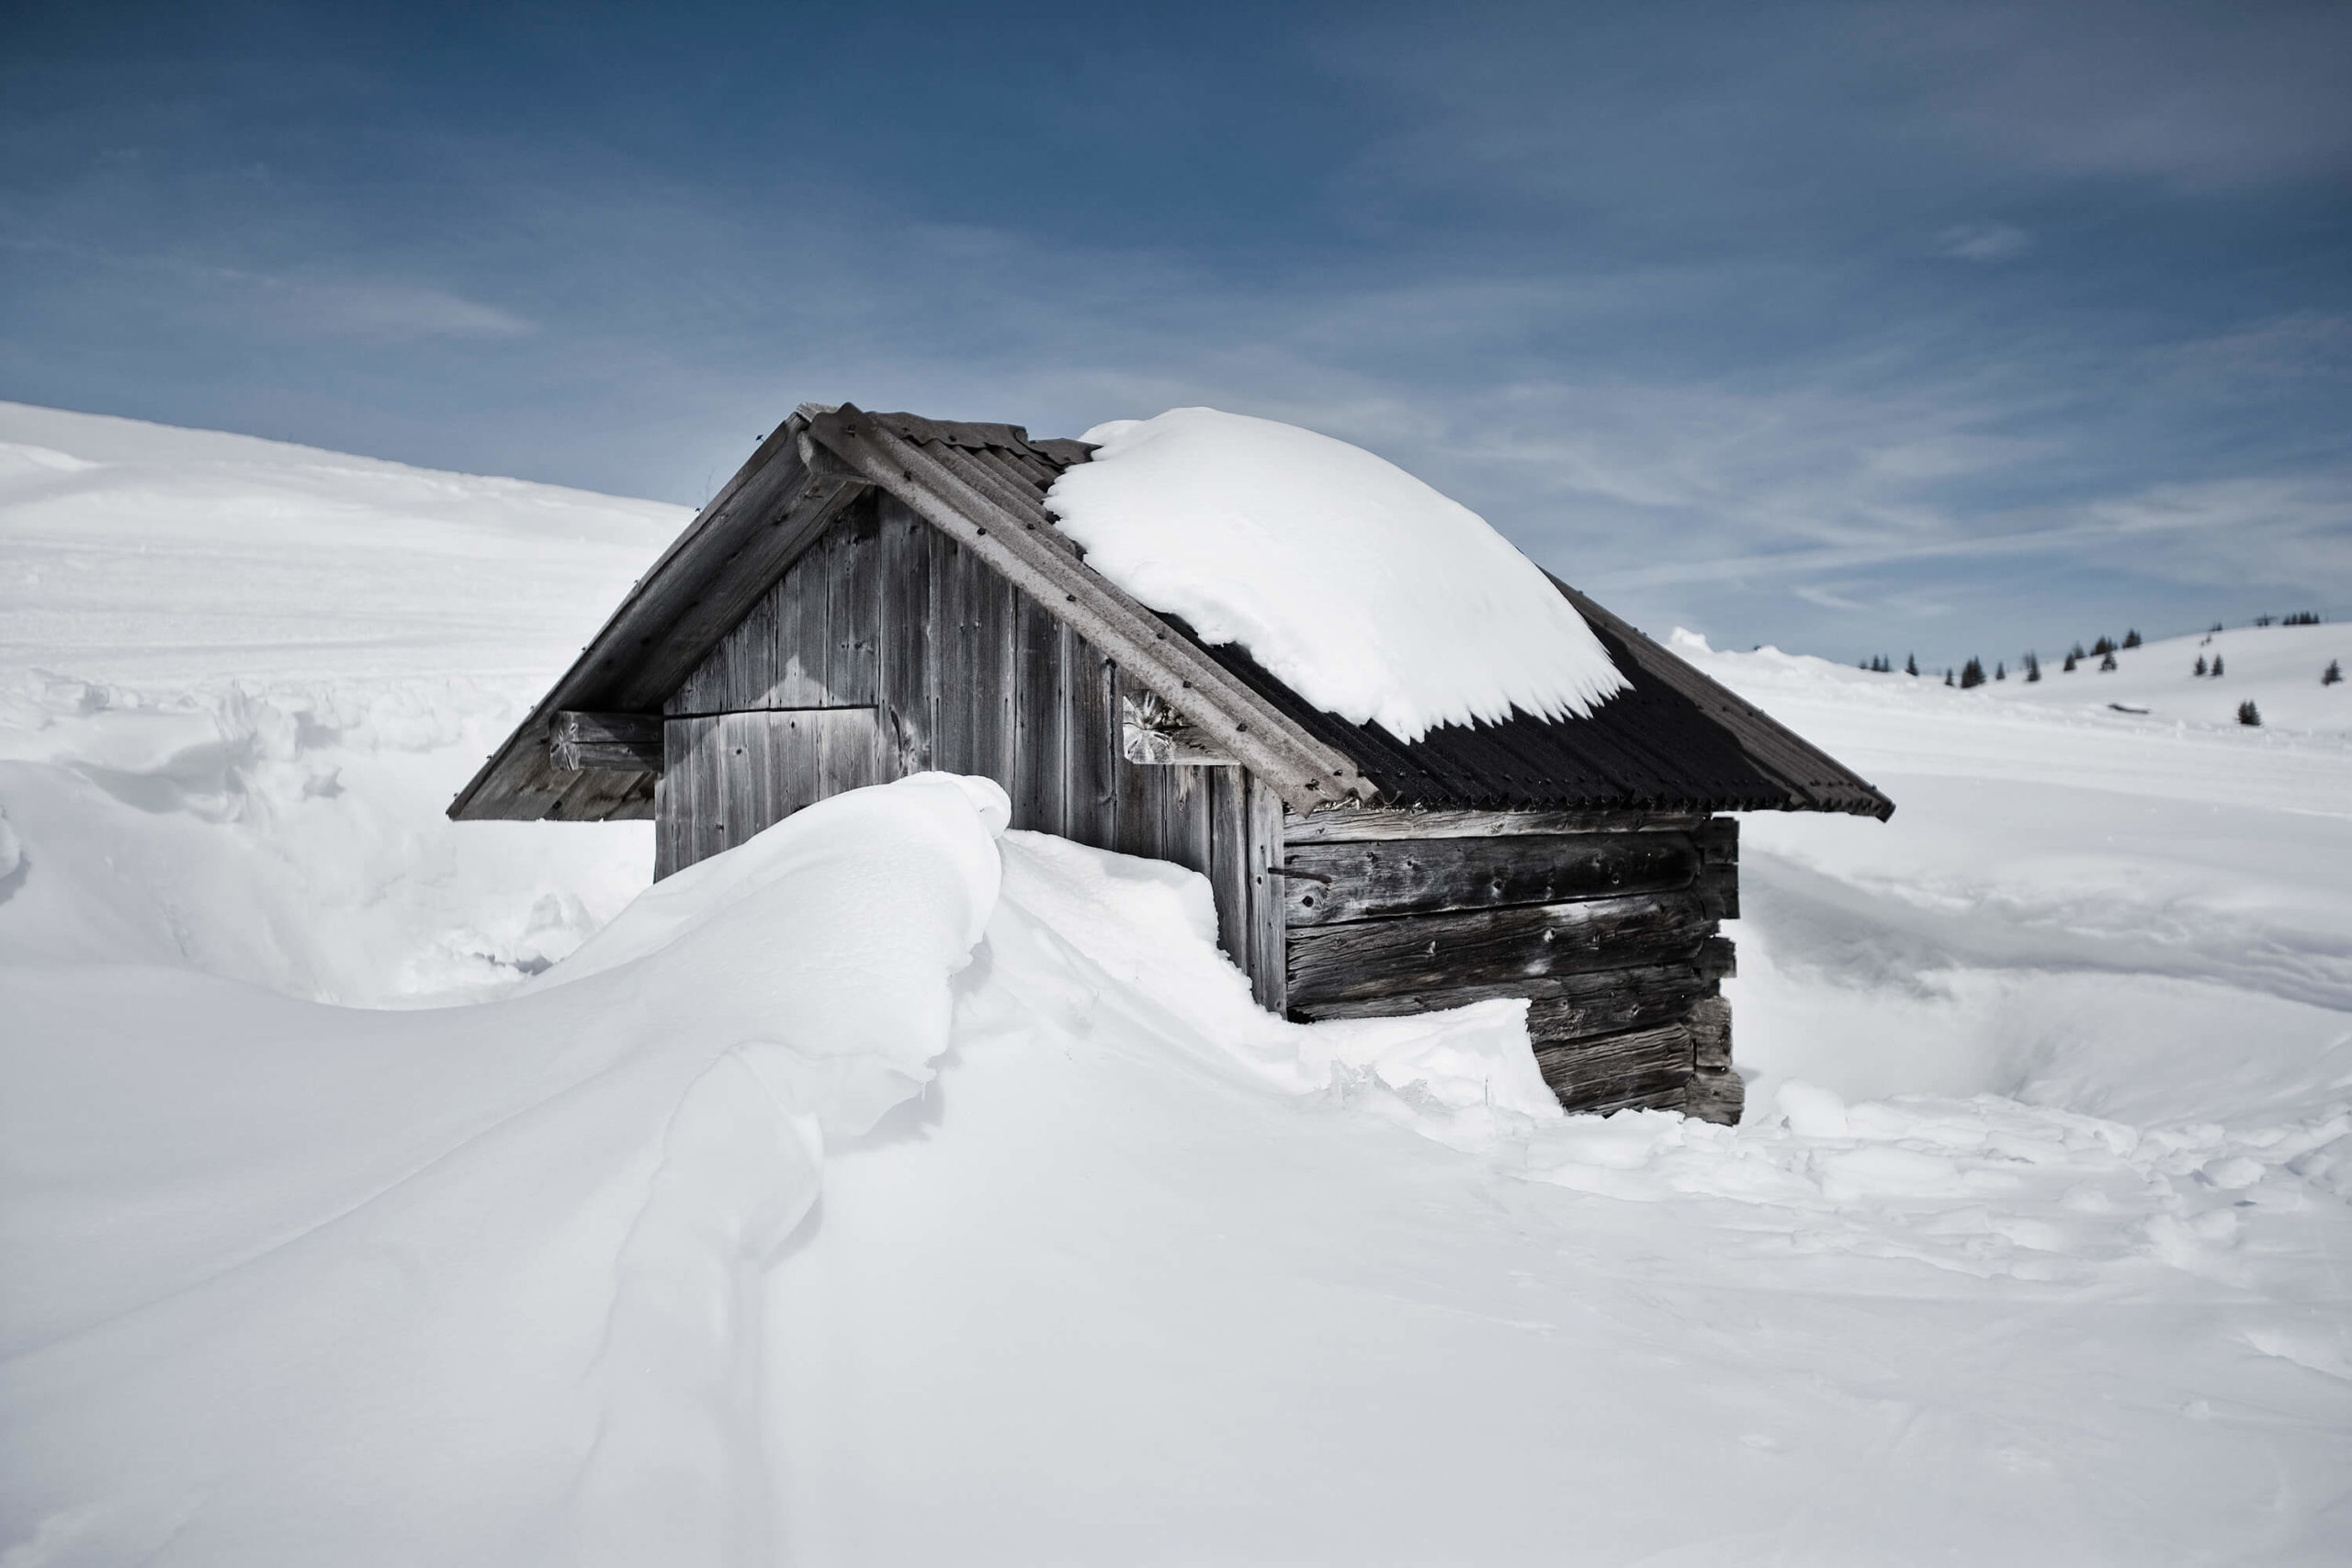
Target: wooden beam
{"points": [[1270, 955], [1640, 1066], [623, 742], [1596, 1001], [1710, 1033], [1327, 884], [1719, 1098], [1717, 1092], [1718, 958], [1345, 826], [1663, 994], [1370, 958]]}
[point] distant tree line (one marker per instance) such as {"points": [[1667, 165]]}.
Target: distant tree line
{"points": [[2104, 648]]}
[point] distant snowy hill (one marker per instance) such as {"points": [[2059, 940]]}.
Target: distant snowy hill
{"points": [[261, 671], [2275, 667], [138, 552], [895, 1189]]}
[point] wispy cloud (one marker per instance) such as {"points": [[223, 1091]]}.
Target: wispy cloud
{"points": [[2283, 348], [2202, 96], [1983, 242], [1740, 318], [384, 311], [308, 303]]}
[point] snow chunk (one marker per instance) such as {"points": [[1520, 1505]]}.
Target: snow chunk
{"points": [[1366, 591]]}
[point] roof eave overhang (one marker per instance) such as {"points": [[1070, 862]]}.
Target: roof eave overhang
{"points": [[1814, 780]]}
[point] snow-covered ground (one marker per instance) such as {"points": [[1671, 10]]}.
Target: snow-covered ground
{"points": [[894, 1190]]}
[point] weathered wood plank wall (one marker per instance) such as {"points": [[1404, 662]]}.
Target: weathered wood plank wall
{"points": [[1609, 926], [950, 667]]}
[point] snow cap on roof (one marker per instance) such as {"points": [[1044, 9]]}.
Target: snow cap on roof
{"points": [[1364, 591]]}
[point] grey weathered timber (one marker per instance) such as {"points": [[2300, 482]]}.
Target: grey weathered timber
{"points": [[1582, 1005], [1593, 1001], [1718, 958], [1721, 886], [1187, 820], [1603, 1073], [1718, 844], [854, 605], [1270, 952], [1710, 1033], [1140, 822], [990, 674], [730, 775], [624, 742], [1329, 883], [1090, 709], [1718, 1096], [949, 693], [905, 668], [786, 651], [957, 669], [1003, 530], [1229, 870], [1038, 770], [1717, 1093], [1344, 825], [1427, 951]]}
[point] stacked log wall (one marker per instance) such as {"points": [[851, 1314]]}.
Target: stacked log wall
{"points": [[1608, 924]]}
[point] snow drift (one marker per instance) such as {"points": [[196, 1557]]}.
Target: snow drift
{"points": [[1360, 587], [897, 1189], [292, 1283]]}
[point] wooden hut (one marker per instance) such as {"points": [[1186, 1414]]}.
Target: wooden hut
{"points": [[876, 595]]}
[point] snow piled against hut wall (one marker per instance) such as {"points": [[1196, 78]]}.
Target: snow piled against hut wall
{"points": [[1366, 591]]}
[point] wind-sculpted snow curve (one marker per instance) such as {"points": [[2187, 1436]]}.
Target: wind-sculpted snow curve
{"points": [[471, 1285]]}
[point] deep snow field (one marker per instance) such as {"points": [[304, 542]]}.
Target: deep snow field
{"points": [[894, 1189]]}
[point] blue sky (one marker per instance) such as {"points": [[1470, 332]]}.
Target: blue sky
{"points": [[1850, 328]]}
